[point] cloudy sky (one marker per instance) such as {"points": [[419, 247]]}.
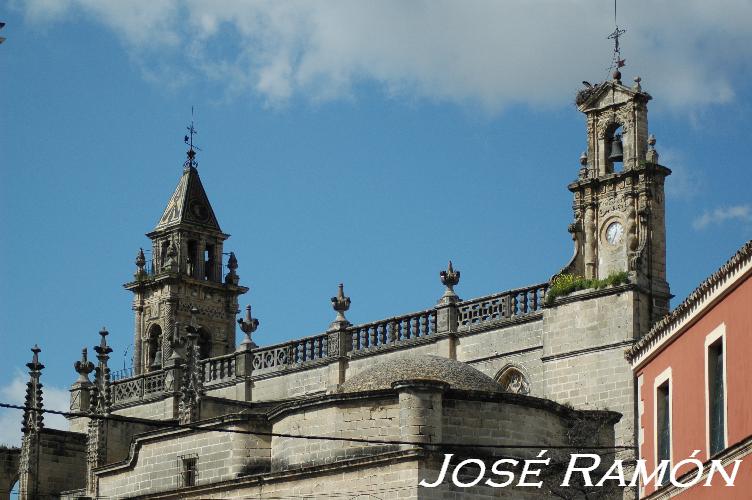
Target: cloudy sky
{"points": [[364, 142]]}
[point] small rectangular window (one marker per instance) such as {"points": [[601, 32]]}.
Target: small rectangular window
{"points": [[189, 471], [716, 402], [663, 423]]}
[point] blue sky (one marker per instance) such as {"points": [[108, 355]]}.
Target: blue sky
{"points": [[366, 143]]}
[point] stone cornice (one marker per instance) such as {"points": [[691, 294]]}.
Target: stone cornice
{"points": [[715, 287], [594, 182]]}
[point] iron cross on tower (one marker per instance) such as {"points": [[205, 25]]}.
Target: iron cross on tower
{"points": [[188, 139], [617, 61]]}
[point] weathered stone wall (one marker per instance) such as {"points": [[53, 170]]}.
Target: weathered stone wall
{"points": [[515, 345], [583, 355], [9, 459], [363, 419], [62, 461], [157, 464], [290, 384]]}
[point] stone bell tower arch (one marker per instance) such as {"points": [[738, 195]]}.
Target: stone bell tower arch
{"points": [[619, 199], [184, 271]]}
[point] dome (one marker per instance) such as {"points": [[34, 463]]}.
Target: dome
{"points": [[420, 367]]}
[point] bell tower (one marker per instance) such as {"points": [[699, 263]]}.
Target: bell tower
{"points": [[619, 202], [183, 272]]}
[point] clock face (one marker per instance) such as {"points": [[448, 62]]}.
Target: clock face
{"points": [[199, 210], [614, 232]]}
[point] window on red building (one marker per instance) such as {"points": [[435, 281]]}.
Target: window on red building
{"points": [[663, 424], [716, 402]]}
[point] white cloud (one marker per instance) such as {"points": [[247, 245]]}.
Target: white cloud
{"points": [[740, 213], [53, 398], [685, 181], [490, 54]]}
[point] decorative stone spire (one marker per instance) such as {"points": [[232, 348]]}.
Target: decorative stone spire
{"points": [[341, 304], [248, 325], [33, 418], [192, 387], [449, 279], [140, 263], [84, 367], [232, 277], [102, 375]]}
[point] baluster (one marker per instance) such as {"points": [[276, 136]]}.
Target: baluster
{"points": [[382, 334], [355, 340], [426, 324], [523, 305], [363, 336], [433, 318], [534, 296], [308, 350], [515, 303], [398, 330], [416, 326], [371, 336]]}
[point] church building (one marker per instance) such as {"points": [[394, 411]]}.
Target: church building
{"points": [[371, 410]]}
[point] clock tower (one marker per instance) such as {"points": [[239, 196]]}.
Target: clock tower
{"points": [[183, 279], [619, 201]]}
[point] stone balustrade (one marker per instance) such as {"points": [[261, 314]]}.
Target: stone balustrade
{"points": [[218, 369], [359, 340], [393, 330], [501, 306], [291, 353], [137, 388]]}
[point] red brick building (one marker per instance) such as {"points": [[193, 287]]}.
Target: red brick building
{"points": [[694, 389]]}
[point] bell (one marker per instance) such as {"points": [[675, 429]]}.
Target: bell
{"points": [[157, 363], [617, 153]]}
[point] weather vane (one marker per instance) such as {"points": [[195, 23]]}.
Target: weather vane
{"points": [[188, 139], [617, 61]]}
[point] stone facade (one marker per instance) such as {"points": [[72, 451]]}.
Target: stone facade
{"points": [[223, 421]]}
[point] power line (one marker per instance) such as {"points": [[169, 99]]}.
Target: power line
{"points": [[170, 426]]}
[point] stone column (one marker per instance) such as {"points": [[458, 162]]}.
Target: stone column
{"points": [[339, 340], [590, 241], [244, 357], [138, 309], [420, 413], [169, 334], [200, 264], [447, 313]]}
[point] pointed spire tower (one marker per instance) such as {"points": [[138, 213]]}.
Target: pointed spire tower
{"points": [[185, 271]]}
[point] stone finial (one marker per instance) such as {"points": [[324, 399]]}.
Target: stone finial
{"points": [[449, 279], [637, 87], [33, 418], [616, 76], [103, 350], [232, 277], [140, 261], [248, 325], [652, 155], [341, 304], [84, 367], [583, 165]]}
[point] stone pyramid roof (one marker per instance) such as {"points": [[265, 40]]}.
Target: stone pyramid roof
{"points": [[189, 205]]}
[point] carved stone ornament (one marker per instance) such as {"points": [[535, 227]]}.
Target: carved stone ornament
{"points": [[512, 380]]}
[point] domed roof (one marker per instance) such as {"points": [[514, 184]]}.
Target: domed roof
{"points": [[420, 367]]}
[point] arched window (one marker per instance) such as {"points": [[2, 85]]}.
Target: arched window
{"points": [[513, 380], [204, 343], [154, 351], [615, 149]]}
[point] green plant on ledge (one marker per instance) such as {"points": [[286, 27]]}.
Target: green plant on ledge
{"points": [[564, 284]]}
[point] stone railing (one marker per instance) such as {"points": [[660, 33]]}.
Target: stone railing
{"points": [[138, 388], [504, 305], [219, 369], [393, 330], [292, 353]]}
